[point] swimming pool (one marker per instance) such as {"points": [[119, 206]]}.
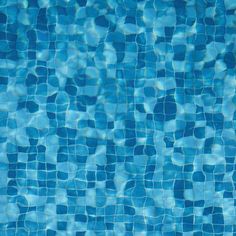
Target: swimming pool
{"points": [[117, 117]]}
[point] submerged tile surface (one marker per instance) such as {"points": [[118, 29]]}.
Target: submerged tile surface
{"points": [[117, 117]]}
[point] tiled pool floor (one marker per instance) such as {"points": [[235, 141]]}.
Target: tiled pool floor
{"points": [[117, 117]]}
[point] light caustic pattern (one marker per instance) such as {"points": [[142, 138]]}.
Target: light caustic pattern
{"points": [[117, 117]]}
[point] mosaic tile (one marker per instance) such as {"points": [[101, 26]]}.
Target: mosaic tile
{"points": [[117, 117]]}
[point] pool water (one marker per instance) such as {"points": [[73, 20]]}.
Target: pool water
{"points": [[117, 117]]}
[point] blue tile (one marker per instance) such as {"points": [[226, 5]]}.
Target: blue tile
{"points": [[117, 117]]}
